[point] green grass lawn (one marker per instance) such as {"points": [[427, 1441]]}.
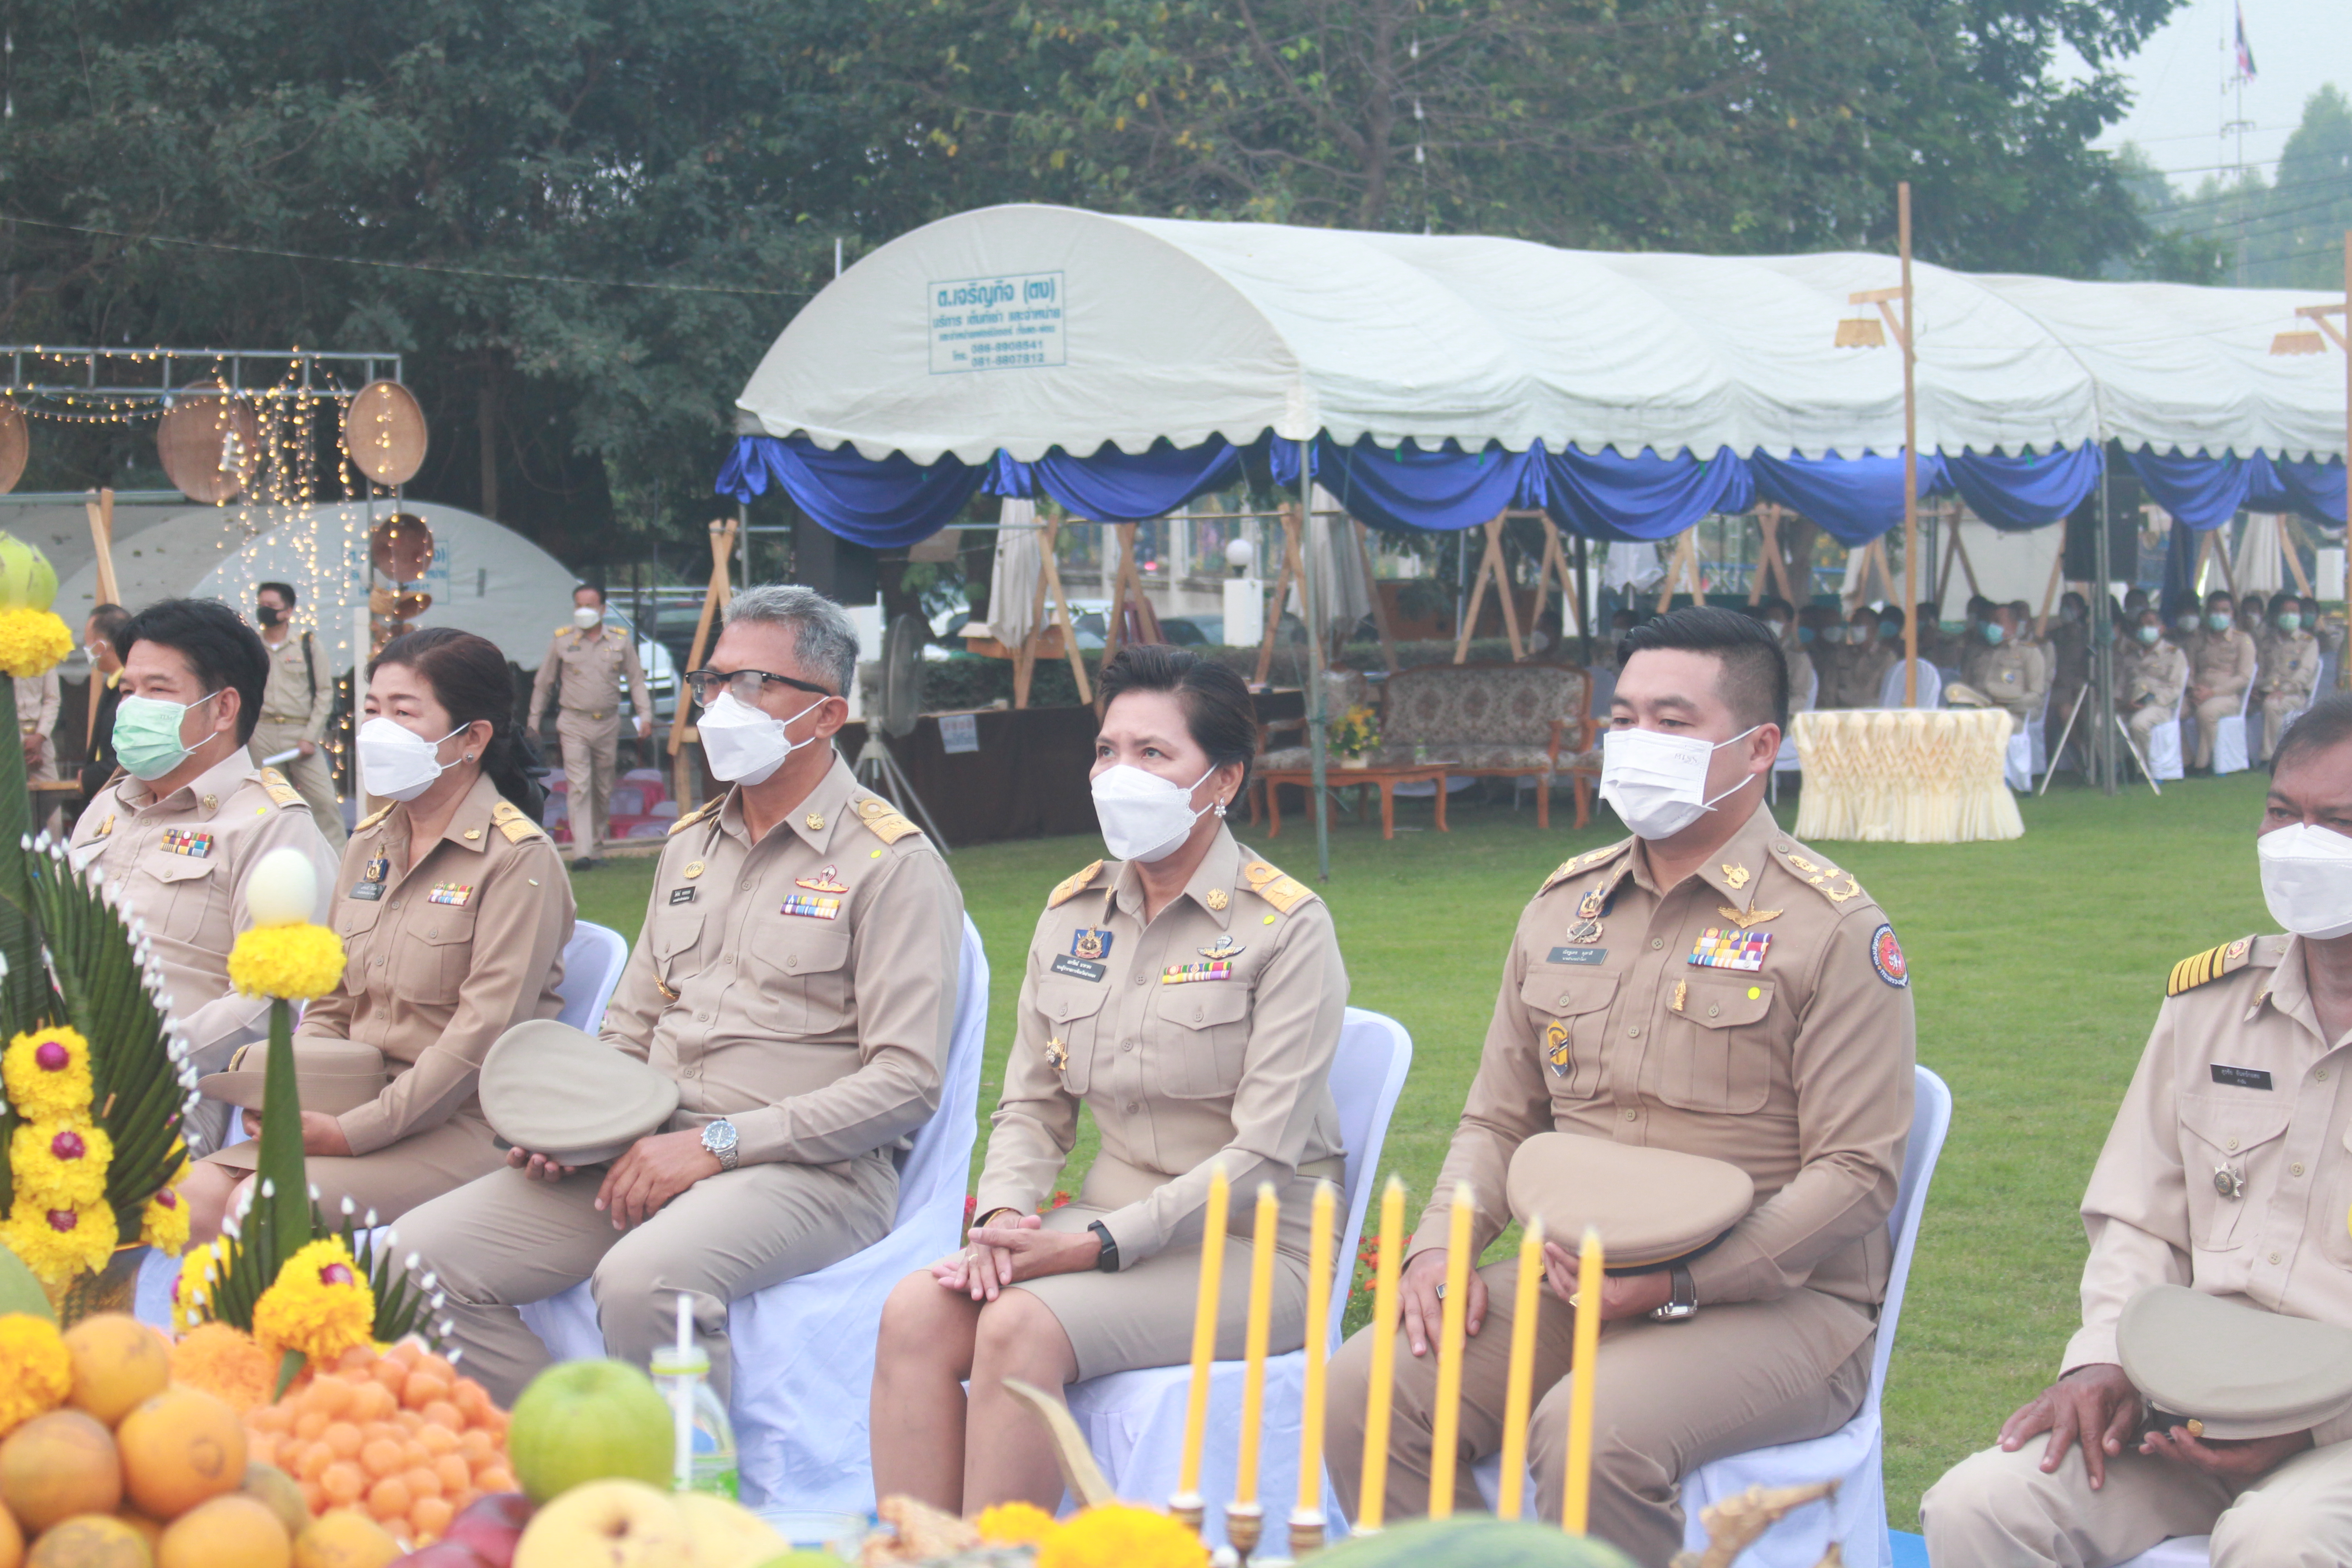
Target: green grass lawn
{"points": [[2037, 964]]}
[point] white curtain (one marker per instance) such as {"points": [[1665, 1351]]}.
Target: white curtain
{"points": [[2259, 566], [1020, 564], [1342, 592], [1631, 564]]}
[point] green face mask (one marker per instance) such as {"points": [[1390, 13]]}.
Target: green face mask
{"points": [[2150, 634], [2289, 622], [147, 734]]}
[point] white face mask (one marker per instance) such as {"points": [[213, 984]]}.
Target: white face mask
{"points": [[1144, 816], [1656, 782], [396, 763], [745, 744], [587, 619], [2307, 880]]}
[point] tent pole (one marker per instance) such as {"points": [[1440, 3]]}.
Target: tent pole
{"points": [[1583, 601], [1910, 463], [1319, 748], [2344, 658], [2105, 763]]}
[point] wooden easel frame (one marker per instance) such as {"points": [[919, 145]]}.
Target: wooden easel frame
{"points": [[1774, 567], [1682, 572], [1954, 547], [102, 537], [1491, 568], [1125, 587], [1371, 585], [1875, 559], [2209, 547], [714, 599], [1292, 571], [1024, 657], [1550, 567]]}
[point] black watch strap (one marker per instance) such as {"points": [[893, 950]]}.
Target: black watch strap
{"points": [[1107, 1259]]}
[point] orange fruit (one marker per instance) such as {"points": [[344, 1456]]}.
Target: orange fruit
{"points": [[344, 1538], [180, 1449], [57, 1466], [281, 1491], [118, 1361], [235, 1530], [150, 1530], [12, 1541], [91, 1540]]}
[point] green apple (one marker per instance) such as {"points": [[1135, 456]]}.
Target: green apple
{"points": [[582, 1421]]}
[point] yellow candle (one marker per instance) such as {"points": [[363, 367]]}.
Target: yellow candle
{"points": [[1204, 1332], [1261, 1312], [1518, 1390], [1578, 1493], [1318, 1309], [1373, 1493], [1448, 1422]]}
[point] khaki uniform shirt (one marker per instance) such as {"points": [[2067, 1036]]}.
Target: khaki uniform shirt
{"points": [[447, 945], [2013, 676], [292, 697], [2229, 1168], [1206, 1036], [593, 665], [1863, 670], [1804, 682], [2154, 676], [2291, 665], [1792, 1060], [2222, 662], [803, 986], [179, 865], [37, 700]]}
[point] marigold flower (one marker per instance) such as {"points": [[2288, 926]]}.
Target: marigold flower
{"points": [[319, 1305], [298, 963], [1014, 1524], [32, 642], [46, 1074], [1122, 1535], [36, 1372]]}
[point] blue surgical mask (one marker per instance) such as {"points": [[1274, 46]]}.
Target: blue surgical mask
{"points": [[2150, 634], [2220, 623], [1804, 634], [1890, 630]]}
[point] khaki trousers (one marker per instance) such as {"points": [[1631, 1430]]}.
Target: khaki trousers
{"points": [[1999, 1510], [590, 746], [2142, 721], [2209, 714], [308, 775], [506, 1241], [1670, 1398], [2278, 706], [388, 1183]]}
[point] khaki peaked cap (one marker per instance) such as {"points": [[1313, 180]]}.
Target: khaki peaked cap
{"points": [[562, 1092], [1651, 1206], [2237, 1370]]}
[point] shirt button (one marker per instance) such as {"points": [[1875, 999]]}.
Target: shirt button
{"points": [[1139, 977], [2321, 1075], [2294, 1170], [1657, 941], [792, 961], [702, 1017], [2232, 1143], [1711, 1011], [1130, 1045], [1132, 1108], [1633, 1115], [2274, 1258], [1633, 1031]]}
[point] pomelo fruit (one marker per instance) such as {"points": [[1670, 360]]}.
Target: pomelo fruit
{"points": [[118, 1361], [91, 1540], [59, 1465], [344, 1538], [611, 1523], [582, 1421], [231, 1532], [181, 1448], [281, 1492], [726, 1533], [12, 1541]]}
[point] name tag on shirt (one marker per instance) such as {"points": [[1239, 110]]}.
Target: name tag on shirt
{"points": [[368, 890], [1078, 968], [1586, 955], [2242, 1078], [681, 895]]}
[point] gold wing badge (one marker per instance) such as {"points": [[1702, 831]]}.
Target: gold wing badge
{"points": [[1556, 1051]]}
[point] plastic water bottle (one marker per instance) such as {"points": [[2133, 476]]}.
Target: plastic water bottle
{"points": [[704, 1446]]}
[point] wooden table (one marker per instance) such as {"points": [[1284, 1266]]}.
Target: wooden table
{"points": [[1905, 776], [1385, 780]]}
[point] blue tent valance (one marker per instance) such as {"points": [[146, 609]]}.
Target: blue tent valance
{"points": [[894, 501]]}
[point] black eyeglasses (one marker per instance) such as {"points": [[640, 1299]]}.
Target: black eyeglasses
{"points": [[745, 684]]}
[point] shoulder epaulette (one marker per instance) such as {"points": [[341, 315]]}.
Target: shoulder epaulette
{"points": [[1071, 886], [2208, 965], [509, 818], [696, 814], [280, 792], [1585, 861], [1281, 891], [371, 819], [882, 819], [1831, 883]]}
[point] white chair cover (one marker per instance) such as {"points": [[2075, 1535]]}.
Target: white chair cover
{"points": [[2229, 748], [593, 961], [2180, 1552], [1931, 686], [2164, 748], [804, 1348], [1134, 1421]]}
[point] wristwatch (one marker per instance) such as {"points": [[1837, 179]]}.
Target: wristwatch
{"points": [[718, 1139], [1106, 1260], [1683, 1301]]}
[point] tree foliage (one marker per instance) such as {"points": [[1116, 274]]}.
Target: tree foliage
{"points": [[2271, 233]]}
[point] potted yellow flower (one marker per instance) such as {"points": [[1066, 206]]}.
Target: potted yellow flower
{"points": [[1354, 735]]}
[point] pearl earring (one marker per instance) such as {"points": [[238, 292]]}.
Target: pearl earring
{"points": [[1220, 809]]}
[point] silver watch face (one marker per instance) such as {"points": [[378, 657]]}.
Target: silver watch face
{"points": [[718, 1136]]}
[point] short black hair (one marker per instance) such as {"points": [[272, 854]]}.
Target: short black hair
{"points": [[580, 588], [283, 590], [218, 646], [2327, 722], [1218, 711], [1773, 602], [2224, 595], [108, 621], [1755, 679], [1891, 613]]}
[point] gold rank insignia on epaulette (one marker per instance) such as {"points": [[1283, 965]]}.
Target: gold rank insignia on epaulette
{"points": [[2211, 964], [279, 791], [372, 817], [1591, 858], [1071, 886], [696, 814], [509, 818], [1831, 883], [1275, 888], [882, 819]]}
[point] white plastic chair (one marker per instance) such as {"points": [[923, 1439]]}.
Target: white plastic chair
{"points": [[1785, 760], [1856, 1517], [593, 961], [1931, 686], [2231, 752], [2027, 758], [2180, 1552], [2164, 747], [1134, 1421], [803, 1348]]}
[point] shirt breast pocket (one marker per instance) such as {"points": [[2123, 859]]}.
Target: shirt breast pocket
{"points": [[1716, 1056], [1071, 1015], [808, 982], [180, 903], [353, 920], [2232, 1148], [1200, 1037], [435, 955], [1568, 1017]]}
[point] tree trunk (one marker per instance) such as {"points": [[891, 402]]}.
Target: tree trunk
{"points": [[486, 420]]}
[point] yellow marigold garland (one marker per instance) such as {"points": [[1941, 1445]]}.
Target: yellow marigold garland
{"points": [[297, 963], [60, 1164], [1120, 1535], [36, 1372], [1014, 1524], [32, 642], [225, 1361], [164, 1222], [46, 1074], [58, 1243], [319, 1305], [200, 1271]]}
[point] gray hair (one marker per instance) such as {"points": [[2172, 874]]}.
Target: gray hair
{"points": [[824, 639]]}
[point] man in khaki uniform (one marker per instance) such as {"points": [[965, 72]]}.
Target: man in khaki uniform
{"points": [[177, 847], [2287, 676], [2151, 682], [37, 699], [591, 658], [797, 977], [1868, 658], [2220, 668], [2011, 672], [295, 709], [1710, 987], [2226, 1171]]}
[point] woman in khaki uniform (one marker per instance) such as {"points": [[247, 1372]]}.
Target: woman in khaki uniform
{"points": [[1191, 996], [454, 909]]}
